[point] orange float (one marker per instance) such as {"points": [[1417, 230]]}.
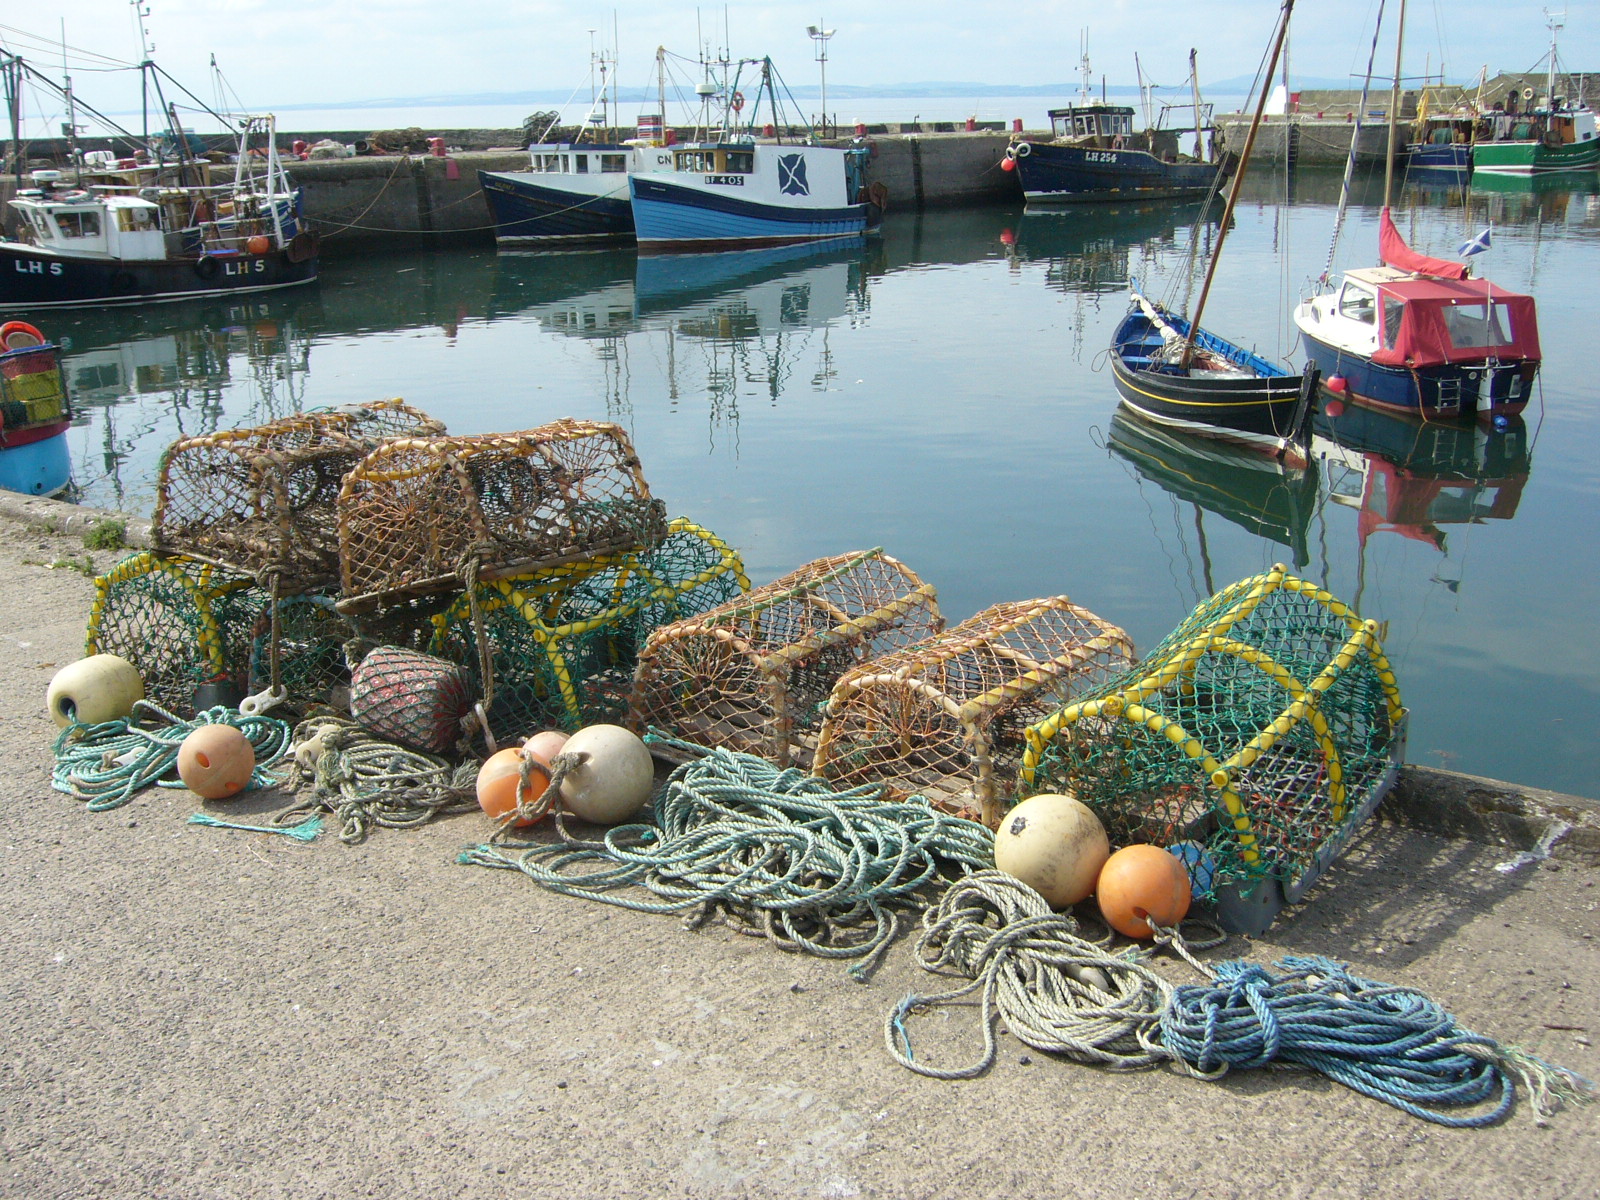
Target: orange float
{"points": [[1140, 884], [216, 761], [500, 787]]}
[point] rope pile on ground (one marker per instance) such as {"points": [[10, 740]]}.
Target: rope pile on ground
{"points": [[1055, 989], [1059, 992], [106, 764], [366, 781], [779, 852]]}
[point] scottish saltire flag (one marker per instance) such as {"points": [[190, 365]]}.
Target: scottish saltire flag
{"points": [[1476, 245]]}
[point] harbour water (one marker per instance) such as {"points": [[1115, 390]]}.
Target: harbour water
{"points": [[941, 391]]}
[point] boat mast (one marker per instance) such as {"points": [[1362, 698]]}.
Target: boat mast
{"points": [[1555, 27], [1194, 87], [1394, 105], [1238, 180]]}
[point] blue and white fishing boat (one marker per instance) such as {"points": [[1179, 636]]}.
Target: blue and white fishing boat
{"points": [[34, 413], [737, 192]]}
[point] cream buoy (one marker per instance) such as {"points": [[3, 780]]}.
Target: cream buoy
{"points": [[1054, 844], [215, 761], [102, 687], [606, 774]]}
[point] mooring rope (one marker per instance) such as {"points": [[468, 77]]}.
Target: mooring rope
{"points": [[366, 781], [1059, 992], [780, 852], [106, 764]]}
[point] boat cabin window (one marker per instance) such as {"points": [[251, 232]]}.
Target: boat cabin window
{"points": [[695, 160], [547, 162], [613, 164], [1477, 325], [740, 162], [78, 224], [580, 164], [1393, 311], [1358, 304]]}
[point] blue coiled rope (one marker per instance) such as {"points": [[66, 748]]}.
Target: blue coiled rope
{"points": [[1391, 1043]]}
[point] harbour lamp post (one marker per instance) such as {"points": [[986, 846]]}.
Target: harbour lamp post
{"points": [[820, 36]]}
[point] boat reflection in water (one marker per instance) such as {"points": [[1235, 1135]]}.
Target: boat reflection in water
{"points": [[1096, 249], [176, 371], [1411, 478], [1263, 496]]}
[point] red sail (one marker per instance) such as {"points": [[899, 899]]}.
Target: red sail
{"points": [[1393, 250]]}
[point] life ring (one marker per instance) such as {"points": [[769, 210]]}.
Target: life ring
{"points": [[738, 102], [1117, 142], [16, 335], [1023, 149], [206, 267]]}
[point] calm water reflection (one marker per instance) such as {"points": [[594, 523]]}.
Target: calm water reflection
{"points": [[940, 391]]}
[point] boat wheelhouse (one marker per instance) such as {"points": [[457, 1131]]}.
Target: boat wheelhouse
{"points": [[571, 192]]}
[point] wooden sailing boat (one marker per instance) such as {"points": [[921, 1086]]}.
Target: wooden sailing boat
{"points": [[1170, 370]]}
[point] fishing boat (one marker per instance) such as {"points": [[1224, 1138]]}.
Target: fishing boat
{"points": [[577, 192], [1447, 125], [1169, 369], [34, 413], [140, 241], [1550, 133], [1094, 156], [1417, 335], [737, 192]]}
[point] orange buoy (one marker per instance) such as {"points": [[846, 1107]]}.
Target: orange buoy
{"points": [[500, 787], [215, 761], [258, 243], [1140, 884]]}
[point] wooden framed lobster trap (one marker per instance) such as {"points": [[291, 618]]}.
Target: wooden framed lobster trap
{"points": [[263, 500], [754, 673], [556, 648], [489, 506], [200, 634], [1262, 732], [946, 717]]}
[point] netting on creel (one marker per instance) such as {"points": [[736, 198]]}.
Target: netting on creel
{"points": [[184, 623], [264, 498], [495, 505], [563, 641], [946, 717], [181, 623], [1266, 727], [753, 674]]}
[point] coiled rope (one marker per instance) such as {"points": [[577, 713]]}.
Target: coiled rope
{"points": [[1060, 992], [1055, 989], [105, 764], [778, 851], [1388, 1042], [366, 781]]}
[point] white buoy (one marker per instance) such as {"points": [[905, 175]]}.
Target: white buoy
{"points": [[609, 774], [1054, 844], [102, 687]]}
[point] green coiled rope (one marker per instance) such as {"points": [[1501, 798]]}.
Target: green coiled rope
{"points": [[780, 852], [106, 764]]}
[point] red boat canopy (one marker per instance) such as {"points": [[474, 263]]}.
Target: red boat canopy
{"points": [[1430, 322], [1392, 249]]}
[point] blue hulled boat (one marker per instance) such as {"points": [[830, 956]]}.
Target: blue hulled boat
{"points": [[34, 413]]}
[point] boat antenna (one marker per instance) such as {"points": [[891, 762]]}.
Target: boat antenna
{"points": [[72, 114], [1355, 142], [1086, 76], [1238, 179], [1194, 87], [1394, 106]]}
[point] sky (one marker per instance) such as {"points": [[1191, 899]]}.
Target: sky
{"points": [[274, 53]]}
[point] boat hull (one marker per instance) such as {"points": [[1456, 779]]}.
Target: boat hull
{"points": [[1052, 174], [33, 278], [534, 209], [1528, 158], [1455, 157], [1255, 409], [38, 466], [1435, 392], [669, 216]]}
